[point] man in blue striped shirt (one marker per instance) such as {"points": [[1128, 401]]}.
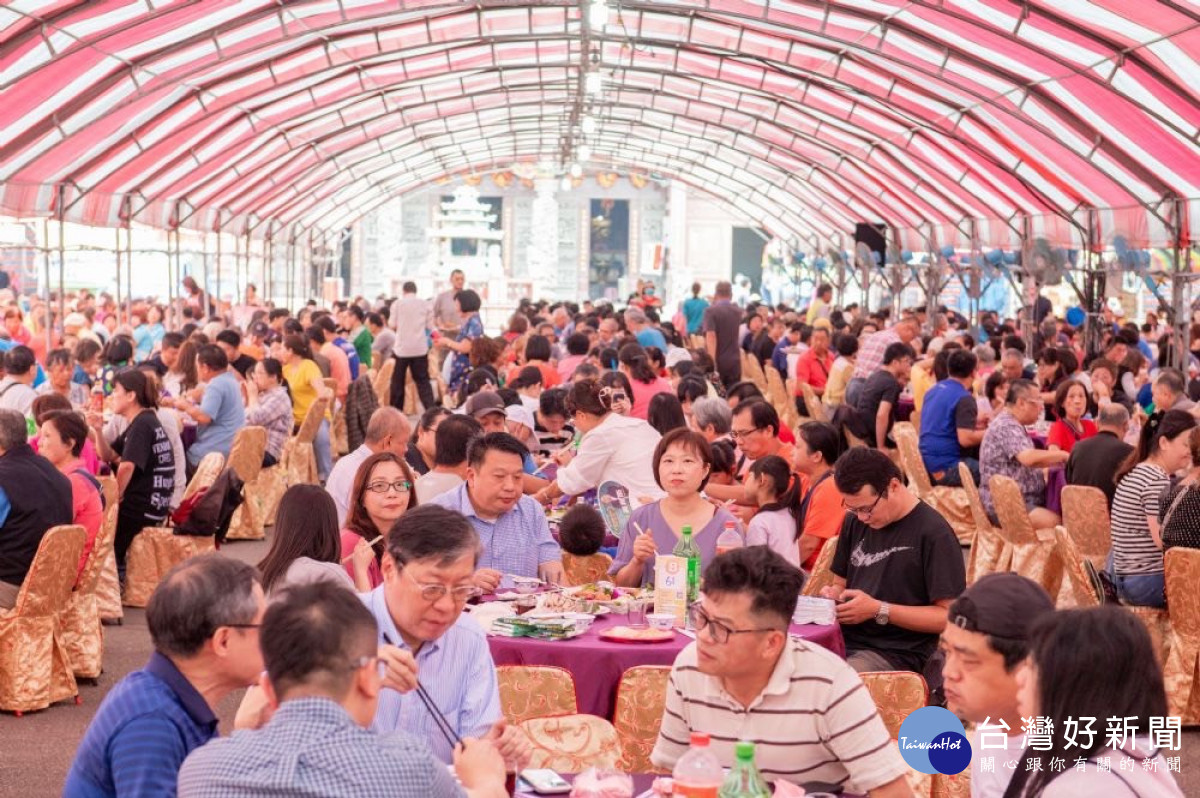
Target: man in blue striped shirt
{"points": [[203, 619], [428, 577]]}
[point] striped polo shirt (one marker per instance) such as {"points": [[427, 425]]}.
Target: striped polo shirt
{"points": [[1136, 499], [813, 722]]}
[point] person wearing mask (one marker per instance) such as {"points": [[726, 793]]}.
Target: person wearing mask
{"points": [[1069, 427], [412, 319], [1007, 450], [1060, 681], [721, 323], [984, 645], [1095, 461], [429, 575], [950, 432], [1137, 548], [269, 405], [59, 367], [880, 394], [420, 452], [143, 458], [307, 546], [382, 492], [682, 462], [452, 441], [814, 366], [897, 568], [744, 665], [388, 430], [61, 439], [204, 620], [820, 515], [220, 413]]}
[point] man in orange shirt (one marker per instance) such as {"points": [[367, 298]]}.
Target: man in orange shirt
{"points": [[814, 366]]}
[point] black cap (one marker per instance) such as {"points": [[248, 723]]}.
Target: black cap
{"points": [[1002, 605]]}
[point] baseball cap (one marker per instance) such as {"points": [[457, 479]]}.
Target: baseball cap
{"points": [[483, 403], [259, 329], [1002, 605]]}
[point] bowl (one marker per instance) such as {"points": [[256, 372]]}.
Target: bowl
{"points": [[526, 584], [582, 620], [661, 620]]}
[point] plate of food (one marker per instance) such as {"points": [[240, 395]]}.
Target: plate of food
{"points": [[560, 601], [627, 634]]}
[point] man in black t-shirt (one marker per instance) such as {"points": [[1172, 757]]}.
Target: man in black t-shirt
{"points": [[897, 568], [881, 393]]}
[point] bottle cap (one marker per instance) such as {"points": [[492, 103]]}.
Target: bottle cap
{"points": [[744, 750], [699, 739]]}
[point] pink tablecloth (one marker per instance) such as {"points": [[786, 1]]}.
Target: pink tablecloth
{"points": [[597, 664]]}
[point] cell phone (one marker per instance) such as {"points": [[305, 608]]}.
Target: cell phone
{"points": [[619, 397], [545, 782]]}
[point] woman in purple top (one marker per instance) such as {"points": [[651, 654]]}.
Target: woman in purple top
{"points": [[682, 464]]}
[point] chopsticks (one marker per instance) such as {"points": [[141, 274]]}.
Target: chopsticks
{"points": [[369, 543], [438, 718]]}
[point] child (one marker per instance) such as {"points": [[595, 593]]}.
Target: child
{"points": [[771, 485], [581, 531], [724, 464]]}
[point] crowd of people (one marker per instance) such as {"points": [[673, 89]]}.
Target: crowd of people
{"points": [[437, 509]]}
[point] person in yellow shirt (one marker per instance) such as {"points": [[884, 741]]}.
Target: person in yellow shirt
{"points": [[306, 385]]}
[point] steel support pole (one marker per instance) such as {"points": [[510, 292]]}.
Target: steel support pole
{"points": [[217, 304], [128, 272], [49, 283], [117, 252]]}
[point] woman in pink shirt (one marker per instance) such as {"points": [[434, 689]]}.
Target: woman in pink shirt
{"points": [[63, 434], [48, 403], [383, 491], [643, 380]]}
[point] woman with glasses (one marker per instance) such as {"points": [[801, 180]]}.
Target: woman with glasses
{"points": [[682, 464], [306, 547], [382, 493]]}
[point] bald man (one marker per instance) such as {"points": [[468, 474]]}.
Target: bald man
{"points": [[387, 431]]}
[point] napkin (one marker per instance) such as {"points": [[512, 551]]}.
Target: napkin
{"points": [[484, 614], [812, 609], [785, 789]]}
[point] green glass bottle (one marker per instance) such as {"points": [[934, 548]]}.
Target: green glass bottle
{"points": [[744, 780], [687, 548]]}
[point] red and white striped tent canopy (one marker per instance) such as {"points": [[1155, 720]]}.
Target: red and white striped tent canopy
{"points": [[969, 122]]}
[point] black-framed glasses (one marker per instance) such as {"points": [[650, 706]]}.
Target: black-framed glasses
{"points": [[863, 512], [433, 593], [400, 486], [738, 434], [717, 631]]}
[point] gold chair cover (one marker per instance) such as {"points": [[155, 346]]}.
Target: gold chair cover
{"points": [[897, 694], [816, 408], [1158, 624], [989, 553], [535, 691], [821, 576], [1077, 590], [956, 786], [1085, 515], [581, 570], [83, 632], [952, 504], [753, 370], [245, 458], [1034, 551], [572, 743], [641, 697], [383, 382], [35, 670], [206, 473], [108, 586], [154, 551], [1179, 670]]}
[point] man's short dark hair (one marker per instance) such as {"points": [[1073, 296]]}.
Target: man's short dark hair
{"points": [[743, 391], [961, 364], [409, 287], [577, 344], [1171, 379], [356, 311], [375, 319], [772, 583], [553, 402], [172, 340], [314, 635], [762, 413], [432, 532], [1017, 389], [896, 351], [19, 360], [497, 442], [452, 439], [278, 313], [691, 388], [582, 531], [195, 598], [213, 357], [231, 337], [845, 344], [87, 349], [861, 466]]}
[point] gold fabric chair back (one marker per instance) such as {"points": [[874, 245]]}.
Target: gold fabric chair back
{"points": [[911, 461], [383, 381], [952, 503], [152, 552], [816, 408], [572, 743], [1077, 590], [754, 370], [641, 698], [535, 691], [206, 473], [108, 588], [1034, 551], [83, 632], [897, 694], [35, 670], [1085, 515], [582, 570], [821, 575], [312, 421], [1183, 657], [246, 453]]}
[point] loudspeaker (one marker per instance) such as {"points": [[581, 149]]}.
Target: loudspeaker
{"points": [[874, 236]]}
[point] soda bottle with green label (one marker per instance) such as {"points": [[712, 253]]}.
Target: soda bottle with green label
{"points": [[687, 548]]}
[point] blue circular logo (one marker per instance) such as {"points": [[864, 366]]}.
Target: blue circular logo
{"points": [[932, 740]]}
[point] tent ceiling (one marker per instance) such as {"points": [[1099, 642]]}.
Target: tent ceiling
{"points": [[937, 117]]}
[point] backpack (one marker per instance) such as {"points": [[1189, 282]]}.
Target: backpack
{"points": [[208, 512]]}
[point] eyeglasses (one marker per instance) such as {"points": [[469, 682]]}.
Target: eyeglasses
{"points": [[400, 486], [738, 434], [863, 512], [718, 632], [433, 593]]}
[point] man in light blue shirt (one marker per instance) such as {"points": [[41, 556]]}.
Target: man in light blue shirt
{"points": [[428, 577], [516, 537], [639, 325], [221, 412]]}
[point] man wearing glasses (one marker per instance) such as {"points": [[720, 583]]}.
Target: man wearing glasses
{"points": [[897, 568], [203, 618], [427, 642], [323, 680], [755, 430], [810, 717]]}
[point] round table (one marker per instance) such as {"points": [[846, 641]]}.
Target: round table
{"points": [[597, 664]]}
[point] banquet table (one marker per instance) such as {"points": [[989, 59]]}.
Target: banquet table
{"points": [[641, 783], [597, 664], [1056, 480]]}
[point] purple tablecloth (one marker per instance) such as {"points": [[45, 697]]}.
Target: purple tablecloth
{"points": [[1056, 480], [597, 664], [904, 408], [641, 783]]}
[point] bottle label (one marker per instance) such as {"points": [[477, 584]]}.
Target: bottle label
{"points": [[694, 791], [693, 578]]}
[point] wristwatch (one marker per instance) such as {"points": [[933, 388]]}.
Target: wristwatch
{"points": [[881, 617]]}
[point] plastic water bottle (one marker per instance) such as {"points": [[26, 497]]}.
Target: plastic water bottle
{"points": [[729, 539], [698, 773], [744, 780]]}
